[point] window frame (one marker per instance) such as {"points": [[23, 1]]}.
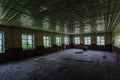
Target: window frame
{"points": [[2, 42], [88, 40], [27, 41], [66, 40], [78, 40], [47, 41], [100, 41], [58, 41]]}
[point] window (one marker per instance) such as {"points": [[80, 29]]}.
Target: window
{"points": [[87, 40], [27, 41], [100, 40], [58, 41], [66, 40], [76, 40], [1, 41], [47, 41]]}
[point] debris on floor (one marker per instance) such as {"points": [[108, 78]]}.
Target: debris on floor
{"points": [[84, 60], [63, 68], [64, 65], [104, 56], [66, 59], [80, 52]]}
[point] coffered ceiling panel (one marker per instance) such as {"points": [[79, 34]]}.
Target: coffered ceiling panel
{"points": [[62, 16]]}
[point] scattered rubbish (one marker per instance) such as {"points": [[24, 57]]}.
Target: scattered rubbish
{"points": [[63, 68], [66, 59], [84, 60], [104, 56], [80, 52]]}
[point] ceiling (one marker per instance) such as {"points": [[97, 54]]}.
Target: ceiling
{"points": [[62, 16]]}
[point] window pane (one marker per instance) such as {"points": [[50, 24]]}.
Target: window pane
{"points": [[29, 46], [88, 41], [24, 46], [29, 37], [89, 38], [24, 41], [102, 37], [44, 38], [98, 37], [85, 38], [29, 41], [24, 36], [102, 41], [102, 44], [0, 36], [98, 43]]}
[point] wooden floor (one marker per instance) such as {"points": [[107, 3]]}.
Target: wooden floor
{"points": [[71, 64]]}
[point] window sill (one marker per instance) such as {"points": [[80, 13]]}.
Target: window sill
{"points": [[48, 47], [2, 52], [28, 49]]}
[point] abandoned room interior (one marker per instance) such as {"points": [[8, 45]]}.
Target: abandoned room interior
{"points": [[59, 39]]}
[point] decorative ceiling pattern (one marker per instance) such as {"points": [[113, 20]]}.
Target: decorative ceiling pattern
{"points": [[62, 16]]}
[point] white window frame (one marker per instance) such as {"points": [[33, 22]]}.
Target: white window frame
{"points": [[2, 42], [58, 41], [47, 41], [87, 40], [101, 40], [66, 40], [29, 41], [76, 40]]}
